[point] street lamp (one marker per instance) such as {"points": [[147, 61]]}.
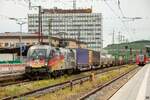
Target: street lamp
{"points": [[19, 22]]}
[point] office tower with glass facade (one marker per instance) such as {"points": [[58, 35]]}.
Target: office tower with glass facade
{"points": [[79, 24]]}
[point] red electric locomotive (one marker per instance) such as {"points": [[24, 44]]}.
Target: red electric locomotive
{"points": [[141, 59]]}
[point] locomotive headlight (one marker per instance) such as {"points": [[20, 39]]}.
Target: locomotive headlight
{"points": [[28, 64], [46, 64]]}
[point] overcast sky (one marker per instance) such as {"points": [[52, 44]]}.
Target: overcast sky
{"points": [[133, 30]]}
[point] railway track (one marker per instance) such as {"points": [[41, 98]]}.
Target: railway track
{"points": [[10, 75], [18, 82], [56, 87], [14, 79], [100, 87], [10, 79]]}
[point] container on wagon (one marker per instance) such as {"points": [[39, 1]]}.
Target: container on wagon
{"points": [[96, 58], [82, 59]]}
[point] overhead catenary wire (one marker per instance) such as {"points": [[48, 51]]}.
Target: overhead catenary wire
{"points": [[120, 8], [23, 3], [126, 28], [115, 13], [125, 17]]}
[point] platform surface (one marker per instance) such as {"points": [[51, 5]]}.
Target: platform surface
{"points": [[137, 88], [11, 68]]}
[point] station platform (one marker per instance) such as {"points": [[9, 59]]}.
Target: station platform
{"points": [[137, 88], [11, 68]]}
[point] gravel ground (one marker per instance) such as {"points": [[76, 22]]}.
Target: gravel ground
{"points": [[108, 91]]}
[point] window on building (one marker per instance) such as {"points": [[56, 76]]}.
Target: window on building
{"points": [[6, 44]]}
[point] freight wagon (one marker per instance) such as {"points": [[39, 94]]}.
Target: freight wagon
{"points": [[82, 59], [94, 59]]}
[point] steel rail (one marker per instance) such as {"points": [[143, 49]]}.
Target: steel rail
{"points": [[56, 87], [100, 87]]}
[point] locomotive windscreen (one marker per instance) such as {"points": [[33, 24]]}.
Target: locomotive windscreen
{"points": [[38, 53], [141, 57], [148, 51]]}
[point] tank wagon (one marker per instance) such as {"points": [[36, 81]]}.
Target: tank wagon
{"points": [[57, 61]]}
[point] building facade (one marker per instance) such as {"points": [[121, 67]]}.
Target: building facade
{"points": [[79, 24], [12, 40]]}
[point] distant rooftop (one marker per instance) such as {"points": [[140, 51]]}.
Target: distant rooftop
{"points": [[147, 46], [16, 34], [56, 10], [31, 35]]}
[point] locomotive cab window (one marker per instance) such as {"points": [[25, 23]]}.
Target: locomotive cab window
{"points": [[52, 53], [57, 52], [38, 54]]}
